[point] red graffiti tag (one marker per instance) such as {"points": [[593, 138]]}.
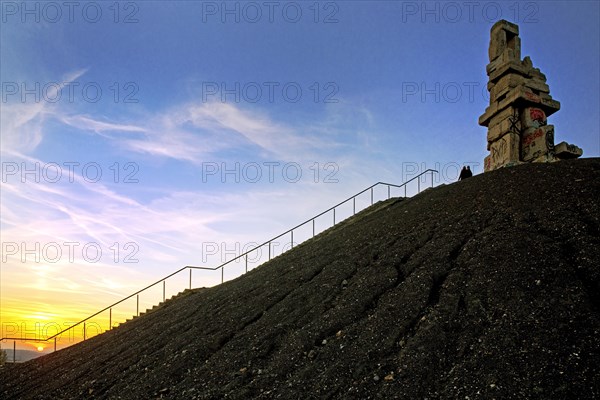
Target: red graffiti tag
{"points": [[537, 114], [536, 134]]}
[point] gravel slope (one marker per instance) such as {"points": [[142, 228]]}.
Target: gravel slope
{"points": [[487, 288]]}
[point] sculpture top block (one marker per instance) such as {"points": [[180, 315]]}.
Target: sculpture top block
{"points": [[505, 36]]}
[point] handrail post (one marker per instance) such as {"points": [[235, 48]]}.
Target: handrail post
{"points": [[418, 184], [14, 351], [313, 223], [110, 319], [137, 305], [371, 196], [164, 290], [354, 205], [190, 279], [269, 251], [432, 179], [54, 344], [222, 274], [246, 263], [334, 216], [292, 242], [405, 190], [389, 187], [84, 331]]}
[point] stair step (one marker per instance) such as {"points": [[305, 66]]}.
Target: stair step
{"points": [[157, 306]]}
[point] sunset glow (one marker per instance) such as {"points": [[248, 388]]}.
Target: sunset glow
{"points": [[137, 144]]}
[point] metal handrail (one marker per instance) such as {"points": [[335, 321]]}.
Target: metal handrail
{"points": [[243, 255], [330, 209]]}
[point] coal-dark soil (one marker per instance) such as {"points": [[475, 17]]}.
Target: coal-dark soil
{"points": [[484, 289]]}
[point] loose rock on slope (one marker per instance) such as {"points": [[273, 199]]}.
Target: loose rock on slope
{"points": [[488, 288]]}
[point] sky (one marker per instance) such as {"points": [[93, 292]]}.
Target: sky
{"points": [[138, 137]]}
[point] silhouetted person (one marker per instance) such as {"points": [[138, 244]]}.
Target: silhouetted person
{"points": [[469, 173], [463, 174]]}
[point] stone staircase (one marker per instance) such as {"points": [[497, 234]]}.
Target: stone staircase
{"points": [[162, 304]]}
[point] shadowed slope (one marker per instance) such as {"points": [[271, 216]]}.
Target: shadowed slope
{"points": [[487, 288]]}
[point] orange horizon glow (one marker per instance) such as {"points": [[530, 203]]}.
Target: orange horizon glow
{"points": [[37, 315]]}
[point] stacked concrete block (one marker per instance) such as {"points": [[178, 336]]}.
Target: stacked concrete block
{"points": [[520, 104]]}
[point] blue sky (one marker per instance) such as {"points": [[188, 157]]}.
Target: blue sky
{"points": [[170, 94]]}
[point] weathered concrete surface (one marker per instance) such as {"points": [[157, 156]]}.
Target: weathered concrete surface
{"points": [[520, 103], [566, 151]]}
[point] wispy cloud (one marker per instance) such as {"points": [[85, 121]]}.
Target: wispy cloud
{"points": [[189, 132], [274, 138], [87, 123], [192, 132], [22, 123]]}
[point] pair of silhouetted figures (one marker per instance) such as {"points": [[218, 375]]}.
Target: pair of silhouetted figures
{"points": [[465, 173]]}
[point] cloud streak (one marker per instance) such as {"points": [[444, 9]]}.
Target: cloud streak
{"points": [[22, 123]]}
